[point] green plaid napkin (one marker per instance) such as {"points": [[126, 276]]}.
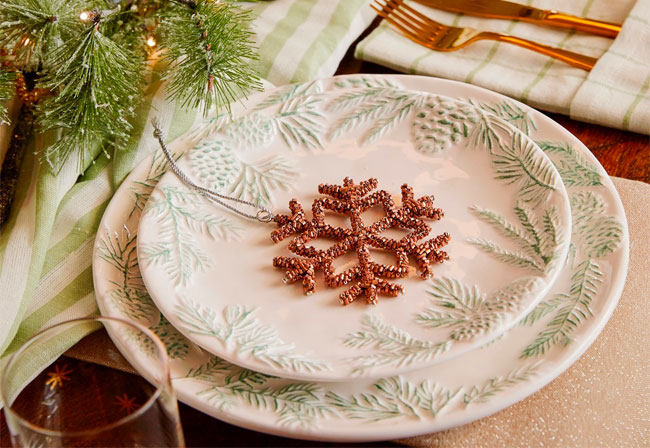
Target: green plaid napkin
{"points": [[615, 93], [46, 247]]}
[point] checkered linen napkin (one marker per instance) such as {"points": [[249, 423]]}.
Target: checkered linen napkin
{"points": [[615, 93], [46, 247]]}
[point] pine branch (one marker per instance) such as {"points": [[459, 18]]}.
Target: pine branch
{"points": [[97, 86], [574, 308], [34, 28], [574, 169], [7, 90], [209, 49]]}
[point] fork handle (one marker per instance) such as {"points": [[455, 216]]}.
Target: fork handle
{"points": [[571, 58]]}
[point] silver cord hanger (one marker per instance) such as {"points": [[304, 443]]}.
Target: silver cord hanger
{"points": [[263, 214]]}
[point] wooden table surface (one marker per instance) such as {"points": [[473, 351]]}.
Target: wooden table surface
{"points": [[622, 154]]}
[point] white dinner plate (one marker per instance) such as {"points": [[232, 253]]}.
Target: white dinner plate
{"points": [[469, 387], [211, 272]]}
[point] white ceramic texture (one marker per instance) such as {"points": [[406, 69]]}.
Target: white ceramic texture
{"points": [[452, 393], [210, 272]]}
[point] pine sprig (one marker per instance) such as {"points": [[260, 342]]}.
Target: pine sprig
{"points": [[388, 345], [34, 28], [574, 307], [7, 89], [495, 385], [394, 398], [512, 114], [209, 48], [520, 164], [96, 86], [574, 169], [88, 60], [537, 241], [467, 311]]}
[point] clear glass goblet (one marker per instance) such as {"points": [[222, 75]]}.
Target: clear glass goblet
{"points": [[75, 403]]}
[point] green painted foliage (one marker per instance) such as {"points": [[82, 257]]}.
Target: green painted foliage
{"points": [[574, 169], [182, 216], [389, 346], [238, 329]]}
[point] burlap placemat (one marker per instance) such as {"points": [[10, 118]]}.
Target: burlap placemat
{"points": [[602, 400]]}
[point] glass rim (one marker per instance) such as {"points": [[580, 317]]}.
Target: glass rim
{"points": [[85, 432]]}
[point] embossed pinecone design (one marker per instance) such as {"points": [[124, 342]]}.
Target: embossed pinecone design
{"points": [[215, 163], [439, 123], [475, 326], [251, 131]]}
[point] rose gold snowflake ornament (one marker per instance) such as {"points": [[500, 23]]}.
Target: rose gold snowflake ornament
{"points": [[371, 278]]}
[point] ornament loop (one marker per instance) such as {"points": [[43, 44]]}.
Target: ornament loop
{"points": [[263, 214]]}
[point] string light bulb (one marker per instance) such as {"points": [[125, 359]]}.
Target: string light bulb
{"points": [[151, 42], [26, 41], [84, 16]]}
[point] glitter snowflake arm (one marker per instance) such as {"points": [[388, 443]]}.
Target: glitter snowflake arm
{"points": [[367, 278], [291, 224]]}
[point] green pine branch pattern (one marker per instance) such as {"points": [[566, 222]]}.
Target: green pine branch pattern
{"points": [[599, 233], [467, 311], [574, 169], [177, 346], [390, 346], [182, 217], [211, 370], [118, 249], [142, 189], [512, 114], [519, 163], [299, 403], [292, 91], [536, 239], [363, 82], [208, 126], [293, 403], [483, 392], [572, 309], [394, 398], [241, 333], [381, 107], [300, 123], [298, 120]]}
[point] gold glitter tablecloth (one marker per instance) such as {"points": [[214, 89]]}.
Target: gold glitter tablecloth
{"points": [[603, 400]]}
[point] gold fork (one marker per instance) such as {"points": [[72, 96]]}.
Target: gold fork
{"points": [[436, 36]]}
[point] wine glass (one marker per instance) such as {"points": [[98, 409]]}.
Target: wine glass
{"points": [[75, 403]]}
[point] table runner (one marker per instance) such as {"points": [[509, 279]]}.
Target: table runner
{"points": [[601, 400], [615, 93], [46, 246]]}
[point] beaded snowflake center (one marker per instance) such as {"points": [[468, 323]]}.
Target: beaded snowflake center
{"points": [[352, 200]]}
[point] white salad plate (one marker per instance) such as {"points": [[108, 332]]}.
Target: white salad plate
{"points": [[524, 359], [211, 273]]}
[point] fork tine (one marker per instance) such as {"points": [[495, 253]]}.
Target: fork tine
{"points": [[402, 8], [405, 31], [427, 21], [397, 18]]}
